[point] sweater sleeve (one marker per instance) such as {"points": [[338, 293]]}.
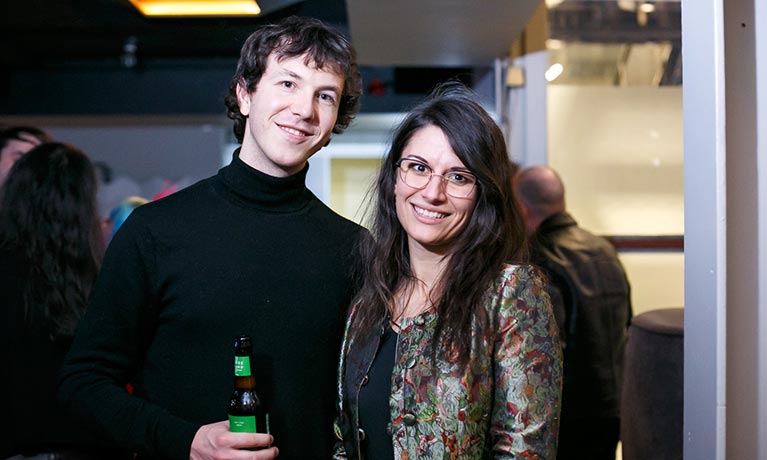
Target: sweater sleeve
{"points": [[528, 370], [108, 350]]}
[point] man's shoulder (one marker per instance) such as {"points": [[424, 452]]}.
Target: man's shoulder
{"points": [[591, 239], [572, 249], [170, 215], [563, 232]]}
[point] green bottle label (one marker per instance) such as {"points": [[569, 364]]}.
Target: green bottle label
{"points": [[242, 366], [242, 424]]}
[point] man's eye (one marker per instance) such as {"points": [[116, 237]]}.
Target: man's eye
{"points": [[287, 84]]}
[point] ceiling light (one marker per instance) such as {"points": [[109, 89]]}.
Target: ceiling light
{"points": [[627, 5], [553, 44], [197, 7], [128, 58], [554, 71], [647, 7]]}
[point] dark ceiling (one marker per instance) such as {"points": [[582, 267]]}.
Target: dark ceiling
{"points": [[616, 21], [104, 57], [36, 32]]}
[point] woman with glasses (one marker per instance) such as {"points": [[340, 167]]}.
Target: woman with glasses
{"points": [[451, 347]]}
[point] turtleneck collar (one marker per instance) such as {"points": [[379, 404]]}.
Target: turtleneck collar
{"points": [[262, 191]]}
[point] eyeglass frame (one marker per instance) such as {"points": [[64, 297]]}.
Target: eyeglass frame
{"points": [[403, 173]]}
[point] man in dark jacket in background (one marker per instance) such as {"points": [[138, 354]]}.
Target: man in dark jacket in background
{"points": [[591, 298]]}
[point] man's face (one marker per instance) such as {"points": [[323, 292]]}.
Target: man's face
{"points": [[13, 150], [291, 115]]}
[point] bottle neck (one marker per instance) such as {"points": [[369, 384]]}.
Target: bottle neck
{"points": [[245, 383], [243, 376]]}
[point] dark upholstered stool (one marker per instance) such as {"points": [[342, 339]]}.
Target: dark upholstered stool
{"points": [[652, 399]]}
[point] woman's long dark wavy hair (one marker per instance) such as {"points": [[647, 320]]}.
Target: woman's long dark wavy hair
{"points": [[48, 216], [494, 235]]}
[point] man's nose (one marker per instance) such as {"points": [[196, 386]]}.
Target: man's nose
{"points": [[303, 105]]}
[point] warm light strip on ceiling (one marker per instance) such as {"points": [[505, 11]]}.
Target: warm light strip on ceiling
{"points": [[197, 7]]}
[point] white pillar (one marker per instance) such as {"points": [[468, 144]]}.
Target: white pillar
{"points": [[705, 229], [746, 95], [760, 357], [527, 112]]}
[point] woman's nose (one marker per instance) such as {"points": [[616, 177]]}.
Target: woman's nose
{"points": [[435, 188]]}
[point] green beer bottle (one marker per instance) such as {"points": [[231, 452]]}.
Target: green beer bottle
{"points": [[245, 411]]}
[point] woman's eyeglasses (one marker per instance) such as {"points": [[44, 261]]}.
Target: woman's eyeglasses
{"points": [[458, 184]]}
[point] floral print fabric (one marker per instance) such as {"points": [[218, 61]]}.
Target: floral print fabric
{"points": [[503, 405]]}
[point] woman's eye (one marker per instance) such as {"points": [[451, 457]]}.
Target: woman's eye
{"points": [[328, 98], [458, 178], [287, 84]]}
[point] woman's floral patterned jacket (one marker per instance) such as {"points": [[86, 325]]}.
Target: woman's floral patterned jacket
{"points": [[503, 405]]}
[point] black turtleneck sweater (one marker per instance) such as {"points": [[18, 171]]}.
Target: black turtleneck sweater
{"points": [[238, 253]]}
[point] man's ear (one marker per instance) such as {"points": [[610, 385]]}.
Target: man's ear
{"points": [[524, 209], [243, 98]]}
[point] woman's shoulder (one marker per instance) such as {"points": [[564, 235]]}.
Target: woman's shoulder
{"points": [[518, 290], [516, 275]]}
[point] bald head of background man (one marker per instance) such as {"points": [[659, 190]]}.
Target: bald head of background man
{"points": [[540, 193], [15, 141]]}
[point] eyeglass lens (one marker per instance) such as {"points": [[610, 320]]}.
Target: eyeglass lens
{"points": [[458, 184]]}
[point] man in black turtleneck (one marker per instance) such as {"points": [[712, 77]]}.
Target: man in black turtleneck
{"points": [[248, 251]]}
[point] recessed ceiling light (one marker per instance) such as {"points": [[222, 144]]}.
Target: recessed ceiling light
{"points": [[199, 8], [554, 71], [553, 44]]}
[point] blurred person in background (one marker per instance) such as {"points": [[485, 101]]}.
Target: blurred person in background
{"points": [[118, 214], [50, 252], [15, 141]]}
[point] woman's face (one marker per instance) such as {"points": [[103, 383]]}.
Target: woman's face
{"points": [[430, 216]]}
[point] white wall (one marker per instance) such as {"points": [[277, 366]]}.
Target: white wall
{"points": [[144, 155], [746, 234], [705, 245], [619, 152]]}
